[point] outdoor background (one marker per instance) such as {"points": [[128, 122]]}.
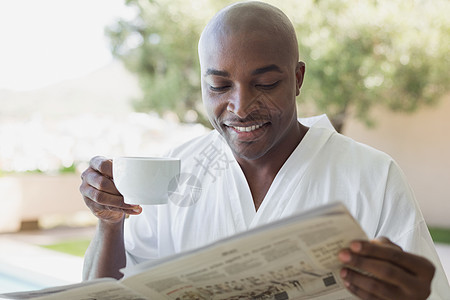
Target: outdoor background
{"points": [[113, 77]]}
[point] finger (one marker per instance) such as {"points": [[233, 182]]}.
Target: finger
{"points": [[383, 270], [100, 182], [108, 214], [99, 208], [410, 262], [367, 287], [106, 199], [102, 165], [382, 240]]}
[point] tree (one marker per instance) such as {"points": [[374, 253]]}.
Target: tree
{"points": [[160, 45], [358, 54], [366, 53]]}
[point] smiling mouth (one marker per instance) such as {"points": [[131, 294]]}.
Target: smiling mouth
{"points": [[248, 128]]}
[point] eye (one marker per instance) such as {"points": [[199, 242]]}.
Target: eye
{"points": [[268, 86], [218, 88]]}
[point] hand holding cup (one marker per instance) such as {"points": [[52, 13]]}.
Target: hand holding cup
{"points": [[100, 193]]}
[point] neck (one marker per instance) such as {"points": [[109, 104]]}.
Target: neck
{"points": [[273, 160], [261, 172]]}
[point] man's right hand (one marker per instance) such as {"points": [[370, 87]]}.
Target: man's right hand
{"points": [[100, 193]]}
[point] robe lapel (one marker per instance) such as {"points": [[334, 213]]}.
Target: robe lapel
{"points": [[237, 192], [282, 191]]}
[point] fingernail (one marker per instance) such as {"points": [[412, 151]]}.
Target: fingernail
{"points": [[346, 283], [355, 246], [137, 209], [344, 256], [343, 273]]}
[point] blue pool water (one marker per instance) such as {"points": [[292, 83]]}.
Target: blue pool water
{"points": [[10, 284], [14, 279]]}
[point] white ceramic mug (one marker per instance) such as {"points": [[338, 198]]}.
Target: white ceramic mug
{"points": [[145, 180]]}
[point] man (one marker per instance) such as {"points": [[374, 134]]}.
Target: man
{"points": [[261, 164]]}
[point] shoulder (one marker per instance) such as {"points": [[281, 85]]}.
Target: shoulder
{"points": [[370, 167], [343, 150], [340, 149], [380, 182]]}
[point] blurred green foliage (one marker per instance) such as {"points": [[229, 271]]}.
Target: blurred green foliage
{"points": [[62, 170], [440, 235], [358, 54], [34, 171], [70, 169], [73, 247]]}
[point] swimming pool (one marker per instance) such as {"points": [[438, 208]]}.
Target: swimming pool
{"points": [[26, 267], [10, 283], [14, 279]]}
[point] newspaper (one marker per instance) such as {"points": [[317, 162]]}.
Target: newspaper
{"points": [[293, 258]]}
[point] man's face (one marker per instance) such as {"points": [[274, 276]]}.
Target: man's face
{"points": [[249, 85]]}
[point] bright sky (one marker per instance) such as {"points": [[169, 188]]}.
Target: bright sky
{"points": [[47, 41]]}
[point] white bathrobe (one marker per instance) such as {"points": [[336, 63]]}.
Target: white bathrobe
{"points": [[213, 200]]}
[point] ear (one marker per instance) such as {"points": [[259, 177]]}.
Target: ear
{"points": [[299, 75]]}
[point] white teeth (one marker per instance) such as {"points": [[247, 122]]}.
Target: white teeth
{"points": [[247, 129]]}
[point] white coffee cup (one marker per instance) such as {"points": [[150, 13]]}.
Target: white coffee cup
{"points": [[145, 180]]}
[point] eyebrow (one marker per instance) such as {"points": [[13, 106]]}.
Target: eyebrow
{"points": [[217, 73], [267, 69], [262, 70]]}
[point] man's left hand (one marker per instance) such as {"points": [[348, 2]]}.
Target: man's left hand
{"points": [[385, 271]]}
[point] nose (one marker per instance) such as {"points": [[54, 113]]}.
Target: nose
{"points": [[242, 101]]}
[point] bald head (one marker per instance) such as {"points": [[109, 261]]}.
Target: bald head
{"points": [[250, 79], [250, 19]]}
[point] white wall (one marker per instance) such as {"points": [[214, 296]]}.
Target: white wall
{"points": [[31, 196], [420, 143]]}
